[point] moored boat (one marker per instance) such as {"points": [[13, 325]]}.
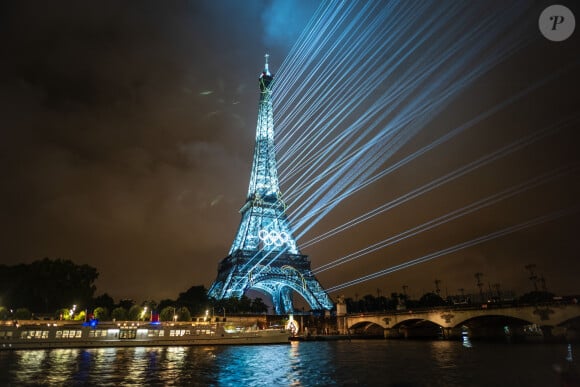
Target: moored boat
{"points": [[57, 334]]}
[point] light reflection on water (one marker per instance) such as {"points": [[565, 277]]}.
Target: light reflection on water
{"points": [[389, 363]]}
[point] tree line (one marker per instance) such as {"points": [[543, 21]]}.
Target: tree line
{"points": [[61, 289]]}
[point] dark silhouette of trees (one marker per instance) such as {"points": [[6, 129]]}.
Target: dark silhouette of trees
{"points": [[167, 313], [431, 299], [119, 314], [258, 306], [22, 314], [183, 314], [104, 301], [101, 313], [126, 303], [46, 285], [536, 296], [194, 299]]}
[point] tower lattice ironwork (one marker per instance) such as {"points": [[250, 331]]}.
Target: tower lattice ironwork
{"points": [[264, 255]]}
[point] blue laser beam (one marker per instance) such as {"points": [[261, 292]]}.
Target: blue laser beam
{"points": [[452, 215], [476, 241]]}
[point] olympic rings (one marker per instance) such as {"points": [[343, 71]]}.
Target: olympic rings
{"points": [[273, 237]]}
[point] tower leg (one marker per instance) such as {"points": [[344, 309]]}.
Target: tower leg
{"points": [[286, 295], [282, 300]]}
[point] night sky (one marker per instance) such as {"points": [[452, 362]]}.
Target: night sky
{"points": [[128, 131]]}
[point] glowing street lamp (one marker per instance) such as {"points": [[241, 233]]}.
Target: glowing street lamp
{"points": [[143, 313]]}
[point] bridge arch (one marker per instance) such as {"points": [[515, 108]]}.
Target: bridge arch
{"points": [[367, 328], [548, 320]]}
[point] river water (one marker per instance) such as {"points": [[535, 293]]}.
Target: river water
{"points": [[400, 363]]}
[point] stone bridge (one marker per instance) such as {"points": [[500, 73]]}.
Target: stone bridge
{"points": [[553, 319]]}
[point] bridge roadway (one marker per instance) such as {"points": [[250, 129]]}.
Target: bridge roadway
{"points": [[553, 319]]}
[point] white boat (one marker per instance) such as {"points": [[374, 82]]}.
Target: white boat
{"points": [[59, 334]]}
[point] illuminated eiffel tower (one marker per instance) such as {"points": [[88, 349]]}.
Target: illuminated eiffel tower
{"points": [[264, 255]]}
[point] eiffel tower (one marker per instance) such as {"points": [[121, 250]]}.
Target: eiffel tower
{"points": [[264, 255]]}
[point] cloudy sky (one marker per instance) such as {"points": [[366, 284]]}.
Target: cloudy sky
{"points": [[127, 138]]}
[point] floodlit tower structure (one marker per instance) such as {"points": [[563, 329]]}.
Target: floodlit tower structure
{"points": [[264, 255]]}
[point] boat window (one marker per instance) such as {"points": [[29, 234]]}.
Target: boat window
{"points": [[128, 334], [98, 333]]}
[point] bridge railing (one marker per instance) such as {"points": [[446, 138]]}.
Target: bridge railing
{"points": [[464, 307]]}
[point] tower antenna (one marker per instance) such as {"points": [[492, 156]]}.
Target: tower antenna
{"points": [[266, 69]]}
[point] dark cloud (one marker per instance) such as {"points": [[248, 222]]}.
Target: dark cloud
{"points": [[127, 136]]}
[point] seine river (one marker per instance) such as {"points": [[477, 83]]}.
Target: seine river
{"points": [[341, 363]]}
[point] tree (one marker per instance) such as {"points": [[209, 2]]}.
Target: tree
{"points": [[80, 316], [62, 314], [369, 303], [4, 313], [245, 304], [431, 300], [105, 301], [195, 299], [258, 306], [119, 314], [101, 313], [47, 284], [536, 297], [183, 314], [126, 303], [134, 313], [22, 314], [164, 304], [167, 313]]}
